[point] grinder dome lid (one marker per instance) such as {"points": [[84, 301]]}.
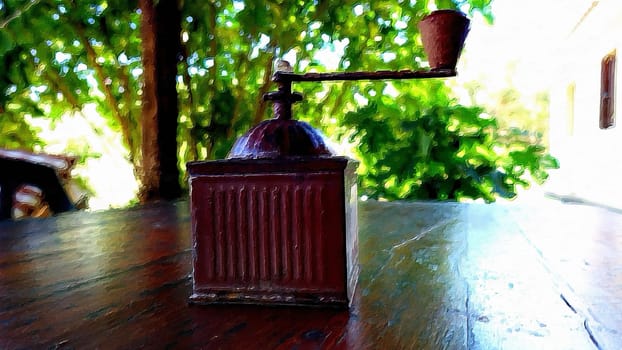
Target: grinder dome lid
{"points": [[280, 138]]}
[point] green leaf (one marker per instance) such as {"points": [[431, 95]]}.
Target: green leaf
{"points": [[6, 42]]}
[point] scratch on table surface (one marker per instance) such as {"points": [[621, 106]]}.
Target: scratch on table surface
{"points": [[586, 325], [568, 303], [420, 235], [403, 243]]}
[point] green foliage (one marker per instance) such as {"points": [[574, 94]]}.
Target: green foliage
{"points": [[15, 103], [413, 141], [16, 133], [445, 152], [59, 55]]}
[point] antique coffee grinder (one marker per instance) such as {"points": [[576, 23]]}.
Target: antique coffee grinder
{"points": [[276, 222]]}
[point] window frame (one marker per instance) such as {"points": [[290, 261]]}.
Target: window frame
{"points": [[607, 91]]}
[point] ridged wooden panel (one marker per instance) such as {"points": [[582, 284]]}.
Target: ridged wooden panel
{"points": [[266, 232]]}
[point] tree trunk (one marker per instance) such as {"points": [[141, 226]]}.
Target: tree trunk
{"points": [[160, 29]]}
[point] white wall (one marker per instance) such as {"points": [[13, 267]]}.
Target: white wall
{"points": [[590, 158]]}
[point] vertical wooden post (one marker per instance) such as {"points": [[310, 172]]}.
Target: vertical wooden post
{"points": [[161, 28]]}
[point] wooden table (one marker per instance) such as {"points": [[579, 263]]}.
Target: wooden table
{"points": [[434, 276]]}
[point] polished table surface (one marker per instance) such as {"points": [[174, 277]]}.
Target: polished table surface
{"points": [[434, 276]]}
